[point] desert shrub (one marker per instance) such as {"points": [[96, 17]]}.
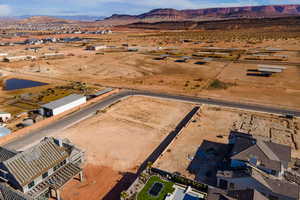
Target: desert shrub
{"points": [[217, 84]]}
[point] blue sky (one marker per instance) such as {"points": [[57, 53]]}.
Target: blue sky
{"points": [[108, 7]]}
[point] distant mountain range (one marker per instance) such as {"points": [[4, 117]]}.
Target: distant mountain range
{"points": [[156, 15], [168, 14], [228, 24], [73, 17]]}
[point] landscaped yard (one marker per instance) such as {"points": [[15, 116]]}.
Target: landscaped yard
{"points": [[154, 186]]}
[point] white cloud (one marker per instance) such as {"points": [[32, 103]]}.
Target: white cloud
{"points": [[144, 3], [177, 4], [180, 4], [5, 10]]}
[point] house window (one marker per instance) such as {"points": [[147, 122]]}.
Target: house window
{"points": [[56, 167], [223, 184], [62, 163], [45, 175], [271, 197], [273, 172], [30, 185]]}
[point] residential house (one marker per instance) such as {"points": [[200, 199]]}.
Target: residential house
{"points": [[247, 194], [272, 158], [96, 47], [40, 170], [270, 187], [18, 58], [259, 165], [4, 116]]}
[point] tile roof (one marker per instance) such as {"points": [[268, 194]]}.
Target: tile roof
{"points": [[28, 165]]}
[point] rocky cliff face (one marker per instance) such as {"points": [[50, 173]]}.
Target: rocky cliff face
{"points": [[214, 13]]}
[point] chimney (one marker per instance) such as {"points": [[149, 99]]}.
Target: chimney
{"points": [[59, 142]]}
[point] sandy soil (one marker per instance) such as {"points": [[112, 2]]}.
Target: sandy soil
{"points": [[119, 140], [212, 121], [139, 69], [206, 125]]}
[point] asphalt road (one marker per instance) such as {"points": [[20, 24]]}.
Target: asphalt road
{"points": [[34, 136]]}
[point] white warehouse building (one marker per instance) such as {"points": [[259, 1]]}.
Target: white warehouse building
{"points": [[61, 105]]}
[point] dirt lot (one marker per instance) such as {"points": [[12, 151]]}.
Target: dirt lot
{"points": [[118, 141], [120, 68], [214, 124]]}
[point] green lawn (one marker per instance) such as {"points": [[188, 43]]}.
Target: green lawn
{"points": [[144, 194]]}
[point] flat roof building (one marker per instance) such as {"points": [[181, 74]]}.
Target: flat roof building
{"points": [[61, 105], [96, 47], [4, 116]]}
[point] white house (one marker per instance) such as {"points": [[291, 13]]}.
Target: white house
{"points": [[18, 58], [3, 54], [96, 48], [4, 116]]}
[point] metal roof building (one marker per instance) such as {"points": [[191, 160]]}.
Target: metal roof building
{"points": [[63, 104], [271, 68]]}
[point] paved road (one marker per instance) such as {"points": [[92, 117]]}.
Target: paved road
{"points": [[61, 124], [70, 120]]}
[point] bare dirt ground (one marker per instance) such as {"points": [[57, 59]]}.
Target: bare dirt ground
{"points": [[215, 123], [139, 70], [118, 141]]}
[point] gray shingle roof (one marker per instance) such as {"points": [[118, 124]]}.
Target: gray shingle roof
{"points": [[248, 194], [63, 101], [278, 186], [8, 193], [267, 150], [5, 154], [28, 165], [271, 155]]}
